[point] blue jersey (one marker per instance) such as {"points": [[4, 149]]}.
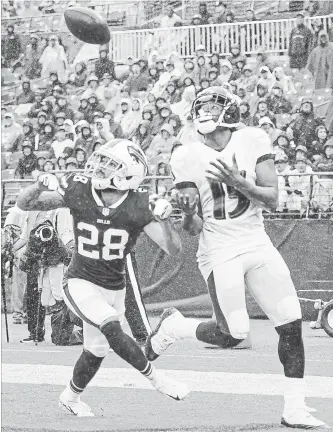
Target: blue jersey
{"points": [[103, 235]]}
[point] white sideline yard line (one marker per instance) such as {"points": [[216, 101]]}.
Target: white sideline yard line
{"points": [[205, 382]]}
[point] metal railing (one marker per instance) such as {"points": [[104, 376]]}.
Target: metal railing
{"points": [[273, 36], [308, 195]]}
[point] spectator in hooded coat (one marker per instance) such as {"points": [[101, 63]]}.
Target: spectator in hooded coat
{"points": [[28, 134], [138, 81], [79, 77], [44, 139], [188, 71], [103, 130], [245, 117], [286, 82], [263, 60], [277, 102], [11, 47], [200, 71], [235, 54], [162, 144], [225, 71], [171, 94], [11, 131], [183, 107], [32, 66], [86, 140], [41, 120], [300, 43], [62, 105], [84, 108], [266, 78], [54, 59], [261, 95], [320, 63], [268, 126], [27, 164], [36, 108], [27, 96], [94, 106], [203, 12], [104, 64], [263, 111], [81, 158], [305, 124], [92, 82], [142, 136], [247, 80]]}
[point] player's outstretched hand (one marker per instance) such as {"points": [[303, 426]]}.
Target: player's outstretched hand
{"points": [[160, 208], [47, 182], [221, 172], [188, 207]]}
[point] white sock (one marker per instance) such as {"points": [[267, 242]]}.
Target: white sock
{"points": [[294, 394], [188, 330], [70, 394]]}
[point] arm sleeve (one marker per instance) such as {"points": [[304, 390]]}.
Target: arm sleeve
{"points": [[65, 225], [145, 215], [261, 148], [183, 170]]}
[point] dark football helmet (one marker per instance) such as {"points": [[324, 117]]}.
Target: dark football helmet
{"points": [[204, 117]]}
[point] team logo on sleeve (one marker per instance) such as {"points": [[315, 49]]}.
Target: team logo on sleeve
{"points": [[106, 211]]}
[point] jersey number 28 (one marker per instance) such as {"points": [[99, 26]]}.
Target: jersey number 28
{"points": [[114, 243], [219, 200]]}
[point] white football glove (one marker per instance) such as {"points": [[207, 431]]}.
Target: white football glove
{"points": [[160, 208], [48, 182]]}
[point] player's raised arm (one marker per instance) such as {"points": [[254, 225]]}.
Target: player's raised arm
{"points": [[161, 230], [188, 201], [42, 195]]}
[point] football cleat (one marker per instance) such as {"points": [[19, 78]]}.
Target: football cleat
{"points": [[164, 335], [170, 387], [77, 408], [302, 419]]}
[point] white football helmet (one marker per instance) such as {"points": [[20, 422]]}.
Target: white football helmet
{"points": [[118, 164]]}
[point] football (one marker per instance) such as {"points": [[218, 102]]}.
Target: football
{"points": [[87, 25]]}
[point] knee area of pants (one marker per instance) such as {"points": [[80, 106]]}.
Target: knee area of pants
{"points": [[291, 332], [289, 309], [97, 350], [111, 329], [239, 324]]}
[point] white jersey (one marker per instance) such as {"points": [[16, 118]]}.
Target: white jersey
{"points": [[232, 225]]}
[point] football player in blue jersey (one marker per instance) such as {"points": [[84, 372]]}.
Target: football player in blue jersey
{"points": [[109, 212]]}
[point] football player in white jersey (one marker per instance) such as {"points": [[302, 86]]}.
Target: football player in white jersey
{"points": [[230, 178]]}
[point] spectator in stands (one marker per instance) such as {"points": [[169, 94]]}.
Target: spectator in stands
{"points": [[36, 108], [170, 19], [70, 130], [62, 146], [286, 82], [61, 164], [27, 96], [41, 120], [27, 164], [300, 43], [48, 7], [320, 63], [188, 70], [200, 71], [260, 95], [103, 130], [306, 122], [313, 7], [28, 134], [283, 169], [325, 162], [32, 66], [266, 78], [263, 111], [235, 54], [84, 108], [317, 27], [79, 77], [247, 79], [53, 84], [245, 114], [142, 135], [47, 108], [301, 185], [213, 76], [115, 128], [11, 131], [28, 9], [153, 74], [317, 146], [104, 92], [81, 158], [44, 139], [104, 65], [93, 107], [71, 164], [92, 82], [162, 143], [85, 140], [203, 12], [225, 71], [54, 59], [48, 166], [262, 60], [40, 163], [268, 126], [171, 93], [62, 105], [59, 119], [220, 12], [11, 47], [276, 101], [283, 146], [138, 81]]}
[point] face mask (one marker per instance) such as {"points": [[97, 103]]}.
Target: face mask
{"points": [[147, 116], [92, 101], [84, 104], [206, 127], [48, 130]]}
